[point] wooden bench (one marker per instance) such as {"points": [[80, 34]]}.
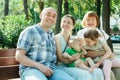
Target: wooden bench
{"points": [[8, 65]]}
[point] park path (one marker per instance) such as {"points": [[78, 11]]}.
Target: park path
{"points": [[116, 47]]}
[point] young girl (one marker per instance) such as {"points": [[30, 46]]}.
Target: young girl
{"points": [[108, 60], [76, 48]]}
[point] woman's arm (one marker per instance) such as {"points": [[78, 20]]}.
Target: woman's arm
{"points": [[59, 52], [69, 57], [93, 54], [106, 55], [83, 51]]}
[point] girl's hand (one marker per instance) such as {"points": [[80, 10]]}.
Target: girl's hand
{"points": [[112, 56], [96, 65]]}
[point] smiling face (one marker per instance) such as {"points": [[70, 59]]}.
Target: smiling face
{"points": [[67, 23], [48, 17], [91, 22]]}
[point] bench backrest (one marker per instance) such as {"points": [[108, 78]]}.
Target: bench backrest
{"points": [[8, 65]]}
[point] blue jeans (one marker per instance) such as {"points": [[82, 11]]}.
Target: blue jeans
{"points": [[35, 74], [97, 74], [80, 74]]}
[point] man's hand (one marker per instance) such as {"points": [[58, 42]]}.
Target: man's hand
{"points": [[45, 70]]}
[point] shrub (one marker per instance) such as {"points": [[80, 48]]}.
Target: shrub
{"points": [[10, 28]]}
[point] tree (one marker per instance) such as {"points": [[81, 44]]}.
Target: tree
{"points": [[41, 4], [98, 4], [59, 13], [6, 10], [106, 19], [66, 7], [26, 8]]}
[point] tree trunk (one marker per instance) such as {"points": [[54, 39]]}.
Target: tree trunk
{"points": [[59, 13], [6, 7], [98, 4], [41, 4], [66, 7], [26, 8], [106, 19]]}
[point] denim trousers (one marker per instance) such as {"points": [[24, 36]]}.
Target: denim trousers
{"points": [[81, 74], [35, 74]]}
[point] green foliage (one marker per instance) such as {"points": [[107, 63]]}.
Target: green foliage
{"points": [[11, 26], [115, 29], [34, 15], [10, 29], [78, 26]]}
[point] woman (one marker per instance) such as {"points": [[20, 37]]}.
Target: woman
{"points": [[67, 25], [91, 21]]}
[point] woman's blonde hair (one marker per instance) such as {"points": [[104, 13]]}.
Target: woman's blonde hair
{"points": [[90, 14]]}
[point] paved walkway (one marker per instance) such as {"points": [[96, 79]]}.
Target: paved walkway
{"points": [[116, 47]]}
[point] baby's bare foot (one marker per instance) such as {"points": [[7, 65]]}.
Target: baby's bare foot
{"points": [[91, 69]]}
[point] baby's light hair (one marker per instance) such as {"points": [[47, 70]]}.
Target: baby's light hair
{"points": [[76, 41]]}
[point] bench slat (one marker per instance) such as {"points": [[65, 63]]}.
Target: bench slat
{"points": [[9, 67], [7, 52], [9, 72], [4, 61]]}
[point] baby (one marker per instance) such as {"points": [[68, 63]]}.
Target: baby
{"points": [[75, 48]]}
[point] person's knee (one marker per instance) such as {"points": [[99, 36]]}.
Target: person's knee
{"points": [[98, 71], [78, 62], [33, 74], [60, 75], [107, 62]]}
